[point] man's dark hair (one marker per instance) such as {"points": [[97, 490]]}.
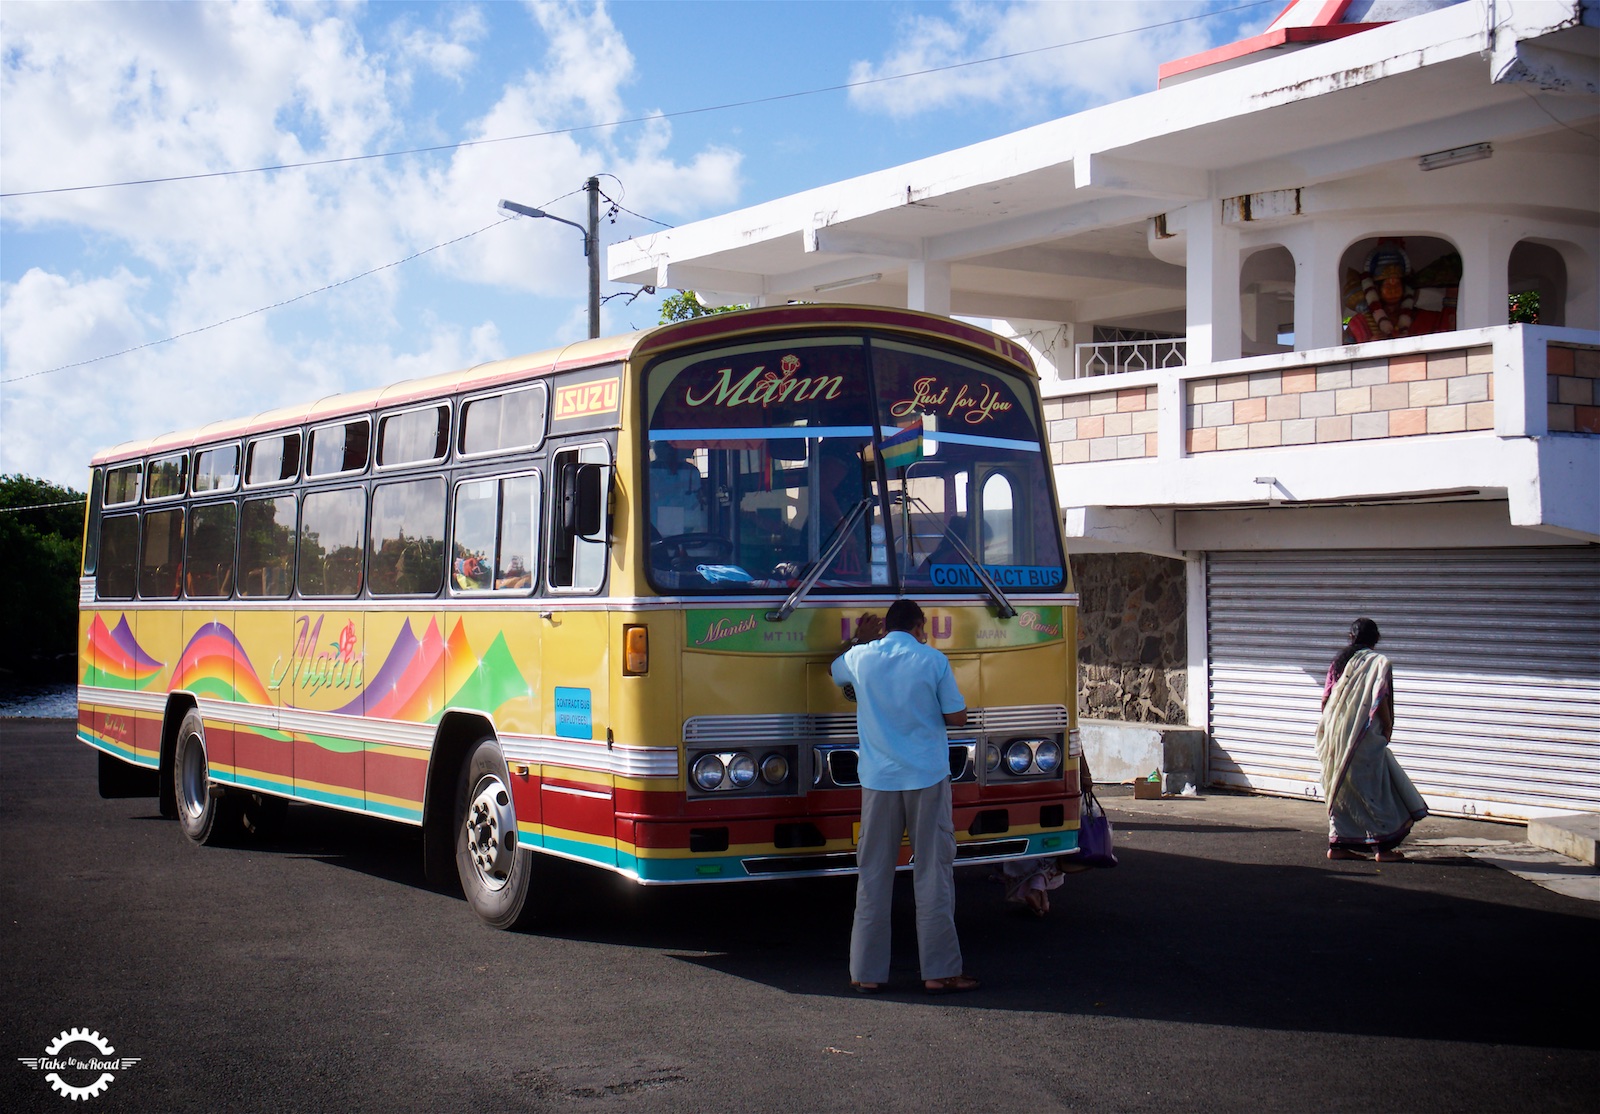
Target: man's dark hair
{"points": [[903, 615]]}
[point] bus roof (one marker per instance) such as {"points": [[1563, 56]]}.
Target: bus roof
{"points": [[579, 354]]}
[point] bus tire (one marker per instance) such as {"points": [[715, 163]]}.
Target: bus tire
{"points": [[495, 870], [204, 814]]}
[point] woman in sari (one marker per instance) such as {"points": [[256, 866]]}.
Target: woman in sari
{"points": [[1371, 802]]}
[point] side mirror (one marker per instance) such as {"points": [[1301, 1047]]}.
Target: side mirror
{"points": [[586, 492]]}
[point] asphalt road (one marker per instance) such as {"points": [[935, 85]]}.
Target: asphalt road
{"points": [[1224, 965]]}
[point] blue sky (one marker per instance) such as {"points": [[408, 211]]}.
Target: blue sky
{"points": [[93, 94]]}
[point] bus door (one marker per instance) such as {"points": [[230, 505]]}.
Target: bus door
{"points": [[404, 655], [112, 660], [325, 704], [493, 647], [211, 665], [263, 625], [158, 625], [576, 800]]}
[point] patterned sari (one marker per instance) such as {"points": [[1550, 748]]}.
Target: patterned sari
{"points": [[1371, 802]]}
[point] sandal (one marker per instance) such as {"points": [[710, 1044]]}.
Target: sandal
{"points": [[866, 987], [1345, 853], [955, 984], [1391, 856]]}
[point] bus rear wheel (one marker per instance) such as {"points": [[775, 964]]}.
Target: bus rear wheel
{"points": [[496, 871], [204, 813]]}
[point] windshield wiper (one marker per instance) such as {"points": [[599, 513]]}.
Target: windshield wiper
{"points": [[841, 535], [1002, 605]]}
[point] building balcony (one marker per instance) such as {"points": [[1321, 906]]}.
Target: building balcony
{"points": [[1509, 414]]}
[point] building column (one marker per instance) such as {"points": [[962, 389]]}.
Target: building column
{"points": [[1318, 312], [1485, 259], [928, 287], [1213, 285], [1198, 696]]}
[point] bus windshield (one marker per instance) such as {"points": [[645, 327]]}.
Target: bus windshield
{"points": [[759, 454]]}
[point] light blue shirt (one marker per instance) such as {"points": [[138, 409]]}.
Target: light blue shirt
{"points": [[903, 692], [677, 504]]}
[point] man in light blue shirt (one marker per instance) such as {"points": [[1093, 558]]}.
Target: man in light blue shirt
{"points": [[905, 696]]}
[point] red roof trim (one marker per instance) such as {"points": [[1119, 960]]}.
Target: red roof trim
{"points": [[1269, 40]]}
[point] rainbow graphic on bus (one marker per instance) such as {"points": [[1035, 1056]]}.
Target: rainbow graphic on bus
{"points": [[117, 659], [214, 664]]}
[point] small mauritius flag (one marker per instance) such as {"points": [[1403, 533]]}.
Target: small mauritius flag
{"points": [[904, 448]]}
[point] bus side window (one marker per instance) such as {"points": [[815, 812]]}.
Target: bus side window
{"points": [[117, 570], [161, 555], [517, 544], [472, 545], [407, 555], [577, 563], [333, 525], [999, 519], [91, 534], [266, 547], [213, 530]]}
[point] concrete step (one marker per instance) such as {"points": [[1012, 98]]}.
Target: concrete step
{"points": [[1575, 835]]}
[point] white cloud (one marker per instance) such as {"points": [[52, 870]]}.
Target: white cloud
{"points": [[103, 93], [50, 320], [448, 54], [1099, 71]]}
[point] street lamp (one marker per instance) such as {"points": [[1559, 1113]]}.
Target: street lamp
{"points": [[591, 237]]}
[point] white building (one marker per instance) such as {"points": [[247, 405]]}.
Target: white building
{"points": [[1182, 264]]}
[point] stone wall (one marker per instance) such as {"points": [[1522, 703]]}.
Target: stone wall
{"points": [[1390, 396], [1132, 637], [1574, 400]]}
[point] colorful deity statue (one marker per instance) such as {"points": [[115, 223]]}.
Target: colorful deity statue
{"points": [[1389, 300]]}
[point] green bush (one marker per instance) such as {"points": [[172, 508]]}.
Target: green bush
{"points": [[40, 552]]}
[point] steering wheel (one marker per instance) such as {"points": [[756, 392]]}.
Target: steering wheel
{"points": [[673, 552]]}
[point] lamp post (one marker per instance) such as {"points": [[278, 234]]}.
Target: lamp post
{"points": [[591, 237]]}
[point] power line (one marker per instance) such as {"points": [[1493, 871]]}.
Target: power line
{"points": [[620, 206], [44, 506], [263, 309], [675, 114]]}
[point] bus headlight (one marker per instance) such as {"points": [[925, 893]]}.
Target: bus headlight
{"points": [[991, 757], [707, 772], [1048, 755], [774, 769], [741, 770], [1019, 756]]}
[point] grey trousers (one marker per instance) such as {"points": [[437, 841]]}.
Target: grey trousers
{"points": [[925, 813]]}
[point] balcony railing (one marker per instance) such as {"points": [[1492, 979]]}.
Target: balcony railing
{"points": [[1116, 357]]}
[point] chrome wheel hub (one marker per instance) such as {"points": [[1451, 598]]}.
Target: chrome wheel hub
{"points": [[194, 778], [491, 832]]}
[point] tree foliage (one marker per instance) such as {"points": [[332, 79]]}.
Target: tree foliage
{"points": [[1524, 308], [39, 555], [686, 305]]}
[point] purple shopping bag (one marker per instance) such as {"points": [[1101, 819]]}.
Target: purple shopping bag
{"points": [[1094, 836]]}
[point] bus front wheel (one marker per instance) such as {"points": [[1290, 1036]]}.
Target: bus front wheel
{"points": [[496, 872], [204, 814]]}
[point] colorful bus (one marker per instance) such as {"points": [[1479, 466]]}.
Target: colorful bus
{"points": [[583, 603]]}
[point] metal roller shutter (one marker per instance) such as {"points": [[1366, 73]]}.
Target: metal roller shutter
{"points": [[1496, 657]]}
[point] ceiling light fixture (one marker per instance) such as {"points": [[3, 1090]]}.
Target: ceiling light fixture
{"points": [[1455, 156], [840, 284]]}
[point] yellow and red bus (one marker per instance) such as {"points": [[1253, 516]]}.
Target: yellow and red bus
{"points": [[583, 603]]}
